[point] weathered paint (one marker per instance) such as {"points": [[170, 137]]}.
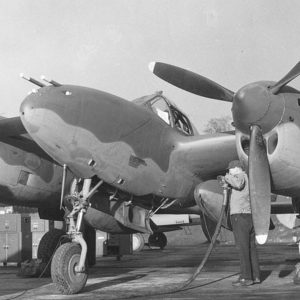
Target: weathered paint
{"points": [[132, 149], [109, 131], [109, 118], [27, 179]]}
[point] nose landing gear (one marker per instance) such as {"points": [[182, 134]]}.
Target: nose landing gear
{"points": [[63, 269], [68, 268]]}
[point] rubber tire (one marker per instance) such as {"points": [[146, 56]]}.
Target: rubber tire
{"points": [[63, 274], [140, 242], [47, 246], [157, 239]]}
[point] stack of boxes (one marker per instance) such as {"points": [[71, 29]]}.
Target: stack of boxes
{"points": [[20, 235], [15, 238], [38, 228], [118, 245], [101, 238]]}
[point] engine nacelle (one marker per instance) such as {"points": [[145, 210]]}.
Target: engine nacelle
{"points": [[282, 149]]}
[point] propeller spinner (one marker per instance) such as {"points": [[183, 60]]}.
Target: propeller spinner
{"points": [[256, 109]]}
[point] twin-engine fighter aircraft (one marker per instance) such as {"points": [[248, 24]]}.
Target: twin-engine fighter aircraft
{"points": [[30, 178], [131, 160], [266, 118], [134, 159]]}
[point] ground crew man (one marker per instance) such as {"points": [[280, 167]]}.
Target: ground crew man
{"points": [[242, 224]]}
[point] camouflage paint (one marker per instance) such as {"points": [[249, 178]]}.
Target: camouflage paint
{"points": [[27, 179], [86, 125]]}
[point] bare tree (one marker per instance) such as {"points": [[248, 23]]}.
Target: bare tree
{"points": [[219, 125]]}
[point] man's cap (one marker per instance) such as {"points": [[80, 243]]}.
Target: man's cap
{"points": [[235, 164]]}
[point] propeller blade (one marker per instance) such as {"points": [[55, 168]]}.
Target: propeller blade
{"points": [[191, 82], [259, 184], [292, 74]]}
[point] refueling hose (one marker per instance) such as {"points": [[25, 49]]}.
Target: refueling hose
{"points": [[226, 192]]}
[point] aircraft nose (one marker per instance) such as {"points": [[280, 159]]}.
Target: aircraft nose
{"points": [[40, 108], [28, 113]]}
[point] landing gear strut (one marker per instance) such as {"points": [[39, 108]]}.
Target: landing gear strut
{"points": [[68, 268]]}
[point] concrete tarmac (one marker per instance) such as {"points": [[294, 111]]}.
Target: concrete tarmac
{"points": [[155, 274]]}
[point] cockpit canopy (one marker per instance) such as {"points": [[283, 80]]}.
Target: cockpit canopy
{"points": [[168, 112]]}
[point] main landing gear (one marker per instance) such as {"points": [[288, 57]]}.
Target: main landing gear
{"points": [[68, 267]]}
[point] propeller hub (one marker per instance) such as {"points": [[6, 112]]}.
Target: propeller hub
{"points": [[254, 104]]}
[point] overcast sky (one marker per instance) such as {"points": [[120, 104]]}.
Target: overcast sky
{"points": [[108, 45]]}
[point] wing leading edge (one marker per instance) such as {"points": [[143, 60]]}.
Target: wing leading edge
{"points": [[12, 132], [207, 156]]}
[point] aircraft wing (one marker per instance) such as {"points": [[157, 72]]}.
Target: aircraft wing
{"points": [[208, 156], [12, 132], [11, 126]]}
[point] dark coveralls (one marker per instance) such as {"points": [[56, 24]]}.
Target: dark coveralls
{"points": [[242, 226]]}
